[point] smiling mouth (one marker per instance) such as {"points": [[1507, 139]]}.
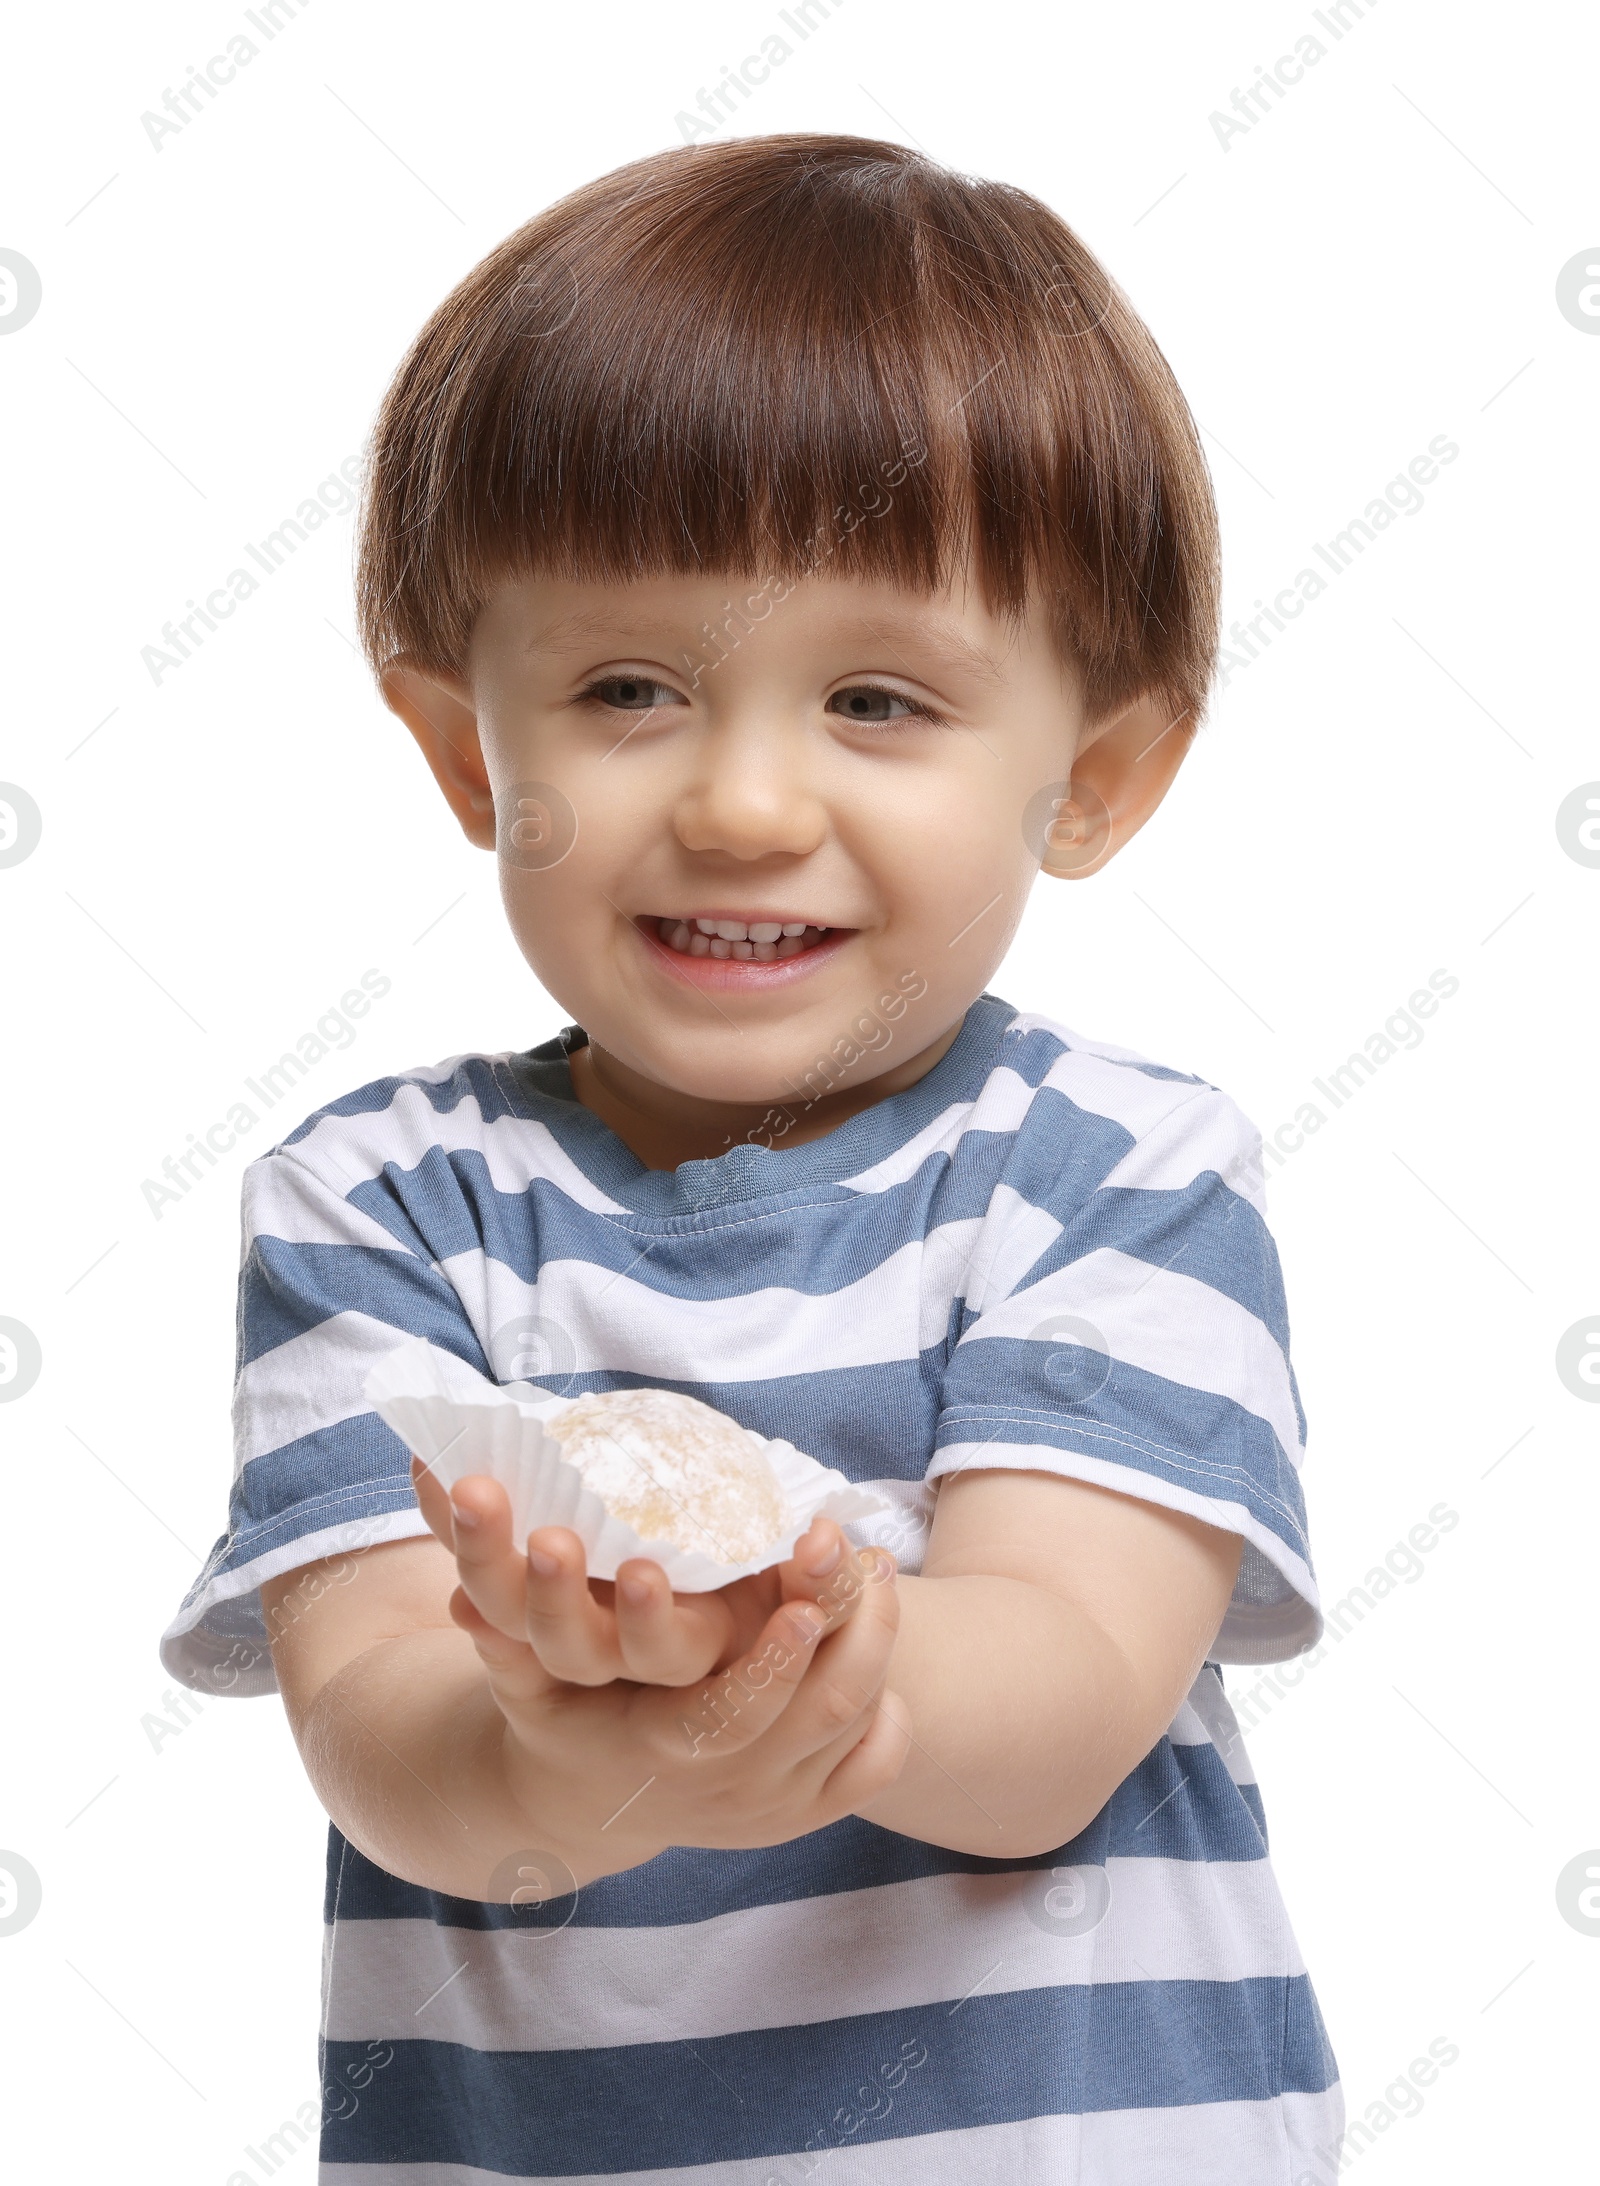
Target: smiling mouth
{"points": [[757, 941]]}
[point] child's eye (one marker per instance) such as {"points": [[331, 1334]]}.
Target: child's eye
{"points": [[632, 694], [872, 704]]}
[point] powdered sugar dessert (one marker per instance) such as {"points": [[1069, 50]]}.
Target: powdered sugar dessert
{"points": [[637, 1472], [675, 1470]]}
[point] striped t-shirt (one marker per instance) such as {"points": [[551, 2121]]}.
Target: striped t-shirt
{"points": [[1046, 1253]]}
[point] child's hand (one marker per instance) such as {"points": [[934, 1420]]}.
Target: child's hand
{"points": [[782, 1726], [591, 1631]]}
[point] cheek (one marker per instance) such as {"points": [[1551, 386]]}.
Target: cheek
{"points": [[945, 860], [565, 842], [553, 914], [924, 828]]}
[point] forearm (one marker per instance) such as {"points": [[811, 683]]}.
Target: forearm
{"points": [[1025, 1716], [410, 1756]]}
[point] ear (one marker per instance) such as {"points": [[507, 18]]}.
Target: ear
{"points": [[439, 712], [1122, 769]]}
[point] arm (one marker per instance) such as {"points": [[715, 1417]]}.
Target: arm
{"points": [[443, 1746], [392, 1712], [1044, 1649], [1046, 1646]]}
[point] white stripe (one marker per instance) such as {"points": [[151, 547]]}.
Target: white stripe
{"points": [[439, 1073], [516, 1150], [312, 1381], [1014, 1234], [1214, 1136], [940, 1136], [1092, 1078], [282, 1198], [908, 1944], [1252, 1630], [1207, 1719], [1131, 1098], [1166, 1323], [1211, 1133], [1191, 2144], [1027, 1021], [618, 1324], [948, 1253]]}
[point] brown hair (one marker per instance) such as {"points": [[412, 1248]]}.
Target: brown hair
{"points": [[781, 353]]}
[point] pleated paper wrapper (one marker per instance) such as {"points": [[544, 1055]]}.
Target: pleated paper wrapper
{"points": [[459, 1423]]}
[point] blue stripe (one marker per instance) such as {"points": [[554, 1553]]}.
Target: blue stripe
{"points": [[818, 1237], [285, 1290], [997, 2060], [360, 1466], [1205, 1230], [1186, 1438]]}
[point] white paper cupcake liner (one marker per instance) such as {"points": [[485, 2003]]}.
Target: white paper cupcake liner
{"points": [[459, 1424]]}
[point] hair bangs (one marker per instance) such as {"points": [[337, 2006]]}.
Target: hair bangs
{"points": [[788, 356]]}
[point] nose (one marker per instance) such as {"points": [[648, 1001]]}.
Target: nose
{"points": [[751, 796]]}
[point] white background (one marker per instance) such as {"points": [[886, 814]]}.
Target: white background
{"points": [[1373, 264]]}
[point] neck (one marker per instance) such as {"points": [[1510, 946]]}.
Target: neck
{"points": [[664, 1127]]}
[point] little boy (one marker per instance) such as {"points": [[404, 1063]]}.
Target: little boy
{"points": [[781, 551]]}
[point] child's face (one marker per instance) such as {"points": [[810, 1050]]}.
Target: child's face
{"points": [[852, 757]]}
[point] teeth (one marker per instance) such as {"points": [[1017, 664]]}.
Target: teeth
{"points": [[762, 942]]}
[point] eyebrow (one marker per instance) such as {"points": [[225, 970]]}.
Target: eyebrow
{"points": [[947, 645], [943, 640], [591, 622]]}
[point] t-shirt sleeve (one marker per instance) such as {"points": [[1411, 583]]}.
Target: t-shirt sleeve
{"points": [[326, 1287], [1138, 1339]]}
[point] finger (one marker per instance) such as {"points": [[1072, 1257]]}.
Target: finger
{"points": [[433, 1498], [827, 1569], [516, 1675], [488, 1563], [666, 1639], [576, 1639], [723, 1714]]}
